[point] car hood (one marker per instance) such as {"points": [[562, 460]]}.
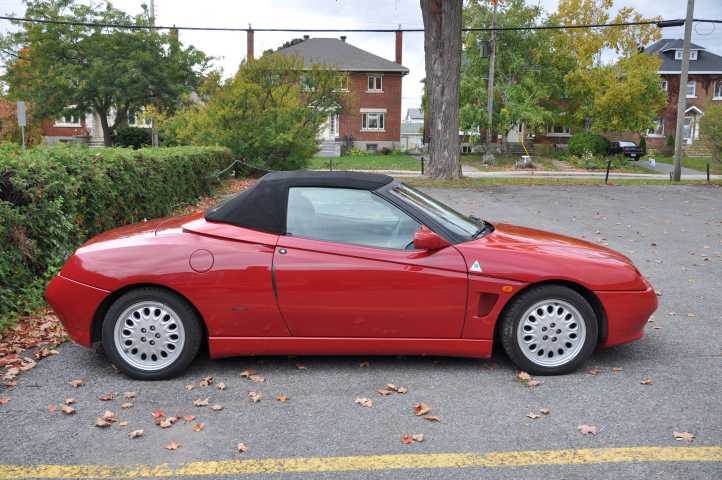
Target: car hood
{"points": [[529, 255], [150, 228]]}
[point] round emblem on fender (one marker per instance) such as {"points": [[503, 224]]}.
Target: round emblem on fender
{"points": [[201, 261]]}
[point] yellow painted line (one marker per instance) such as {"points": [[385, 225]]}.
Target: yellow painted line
{"points": [[586, 456]]}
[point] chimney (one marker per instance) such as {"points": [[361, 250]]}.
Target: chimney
{"points": [[249, 44], [306, 37], [399, 44], [343, 38]]}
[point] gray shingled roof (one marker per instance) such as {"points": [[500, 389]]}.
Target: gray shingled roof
{"points": [[706, 61], [341, 55], [415, 113]]}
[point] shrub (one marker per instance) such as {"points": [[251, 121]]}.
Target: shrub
{"points": [[133, 137], [593, 162], [588, 142], [711, 130], [53, 198]]}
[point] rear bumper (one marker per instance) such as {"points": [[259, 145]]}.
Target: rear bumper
{"points": [[75, 304], [627, 314]]}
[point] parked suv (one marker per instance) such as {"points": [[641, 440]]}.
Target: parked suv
{"points": [[628, 149]]}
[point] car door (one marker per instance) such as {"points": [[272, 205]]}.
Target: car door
{"points": [[347, 268]]}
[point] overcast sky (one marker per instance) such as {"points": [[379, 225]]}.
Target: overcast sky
{"points": [[230, 48]]}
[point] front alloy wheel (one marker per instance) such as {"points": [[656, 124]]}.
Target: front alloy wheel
{"points": [[151, 334], [549, 329]]}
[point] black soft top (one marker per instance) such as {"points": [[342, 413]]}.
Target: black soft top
{"points": [[263, 206]]}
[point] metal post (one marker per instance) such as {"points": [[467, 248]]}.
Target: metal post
{"points": [[707, 172], [682, 95], [606, 177], [422, 165]]}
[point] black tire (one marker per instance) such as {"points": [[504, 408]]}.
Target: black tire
{"points": [[186, 315], [513, 316]]}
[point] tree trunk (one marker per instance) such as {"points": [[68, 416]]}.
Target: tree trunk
{"points": [[107, 130], [442, 46]]}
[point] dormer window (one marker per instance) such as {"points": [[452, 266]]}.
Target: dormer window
{"points": [[678, 54]]}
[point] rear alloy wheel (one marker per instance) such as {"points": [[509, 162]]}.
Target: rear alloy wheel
{"points": [[151, 334], [548, 330]]}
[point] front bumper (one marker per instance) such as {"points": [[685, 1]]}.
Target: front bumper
{"points": [[627, 314], [75, 304]]}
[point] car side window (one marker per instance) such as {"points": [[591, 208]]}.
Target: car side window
{"points": [[346, 215]]}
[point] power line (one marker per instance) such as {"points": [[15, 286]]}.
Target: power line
{"points": [[127, 26]]}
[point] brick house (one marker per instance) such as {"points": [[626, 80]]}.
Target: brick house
{"points": [[371, 118], [704, 87], [83, 128]]}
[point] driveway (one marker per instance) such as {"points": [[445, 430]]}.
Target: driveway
{"points": [[674, 235]]}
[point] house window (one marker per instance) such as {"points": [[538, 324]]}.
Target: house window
{"points": [[68, 120], [372, 147], [342, 83], [373, 121], [376, 83], [307, 83], [657, 130], [664, 84], [717, 90], [691, 89], [138, 120], [678, 54], [558, 131]]}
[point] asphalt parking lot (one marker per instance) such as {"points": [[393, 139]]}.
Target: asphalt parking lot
{"points": [[674, 235]]}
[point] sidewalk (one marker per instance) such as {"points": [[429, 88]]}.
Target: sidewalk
{"points": [[666, 168]]}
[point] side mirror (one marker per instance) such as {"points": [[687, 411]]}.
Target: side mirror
{"points": [[425, 239]]}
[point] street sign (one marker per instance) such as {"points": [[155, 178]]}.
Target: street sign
{"points": [[21, 114]]}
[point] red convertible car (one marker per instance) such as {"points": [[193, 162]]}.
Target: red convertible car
{"points": [[345, 263]]}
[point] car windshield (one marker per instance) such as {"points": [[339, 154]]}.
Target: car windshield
{"points": [[626, 144], [461, 225]]}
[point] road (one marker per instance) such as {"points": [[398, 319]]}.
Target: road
{"points": [[674, 235]]}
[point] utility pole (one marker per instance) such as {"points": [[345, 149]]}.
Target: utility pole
{"points": [[682, 95], [153, 131], [488, 156]]}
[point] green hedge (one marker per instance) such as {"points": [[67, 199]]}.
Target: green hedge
{"points": [[588, 142], [53, 198]]}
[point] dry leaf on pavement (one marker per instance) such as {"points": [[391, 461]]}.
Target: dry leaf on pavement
{"points": [[282, 398], [421, 409], [683, 436], [189, 418], [158, 414], [247, 373], [124, 423], [109, 416], [69, 401], [523, 377], [135, 433], [216, 407], [4, 400], [646, 381], [198, 427], [254, 396], [256, 378], [190, 387], [594, 371], [588, 429], [544, 411], [101, 423], [432, 418], [77, 383], [364, 402], [66, 409], [418, 437], [106, 397], [200, 402], [126, 405], [300, 366], [52, 408], [242, 448], [533, 383], [172, 446], [205, 381], [221, 386], [364, 364], [533, 415]]}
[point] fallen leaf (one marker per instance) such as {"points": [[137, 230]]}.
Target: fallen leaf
{"points": [[364, 364], [52, 408], [254, 396], [124, 423], [544, 411], [402, 390], [594, 371], [384, 391], [300, 366], [127, 405], [588, 429], [391, 387], [256, 379], [67, 410], [172, 446], [69, 401], [432, 418], [683, 436], [242, 448], [282, 398], [691, 315], [200, 402], [617, 369], [167, 422], [364, 402], [523, 377], [198, 427], [216, 407], [109, 416], [421, 409], [418, 437], [205, 381], [106, 397], [221, 386], [646, 381], [77, 383], [533, 415], [190, 387], [158, 414], [135, 433], [129, 395], [533, 383], [189, 418], [407, 440], [4, 400], [101, 423], [247, 373]]}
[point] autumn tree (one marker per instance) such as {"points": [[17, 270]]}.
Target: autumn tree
{"points": [[711, 130], [97, 69], [442, 47], [269, 114], [623, 95]]}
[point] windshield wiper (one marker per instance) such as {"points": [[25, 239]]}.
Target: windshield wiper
{"points": [[485, 228]]}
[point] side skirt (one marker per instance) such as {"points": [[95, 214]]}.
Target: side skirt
{"points": [[452, 347]]}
